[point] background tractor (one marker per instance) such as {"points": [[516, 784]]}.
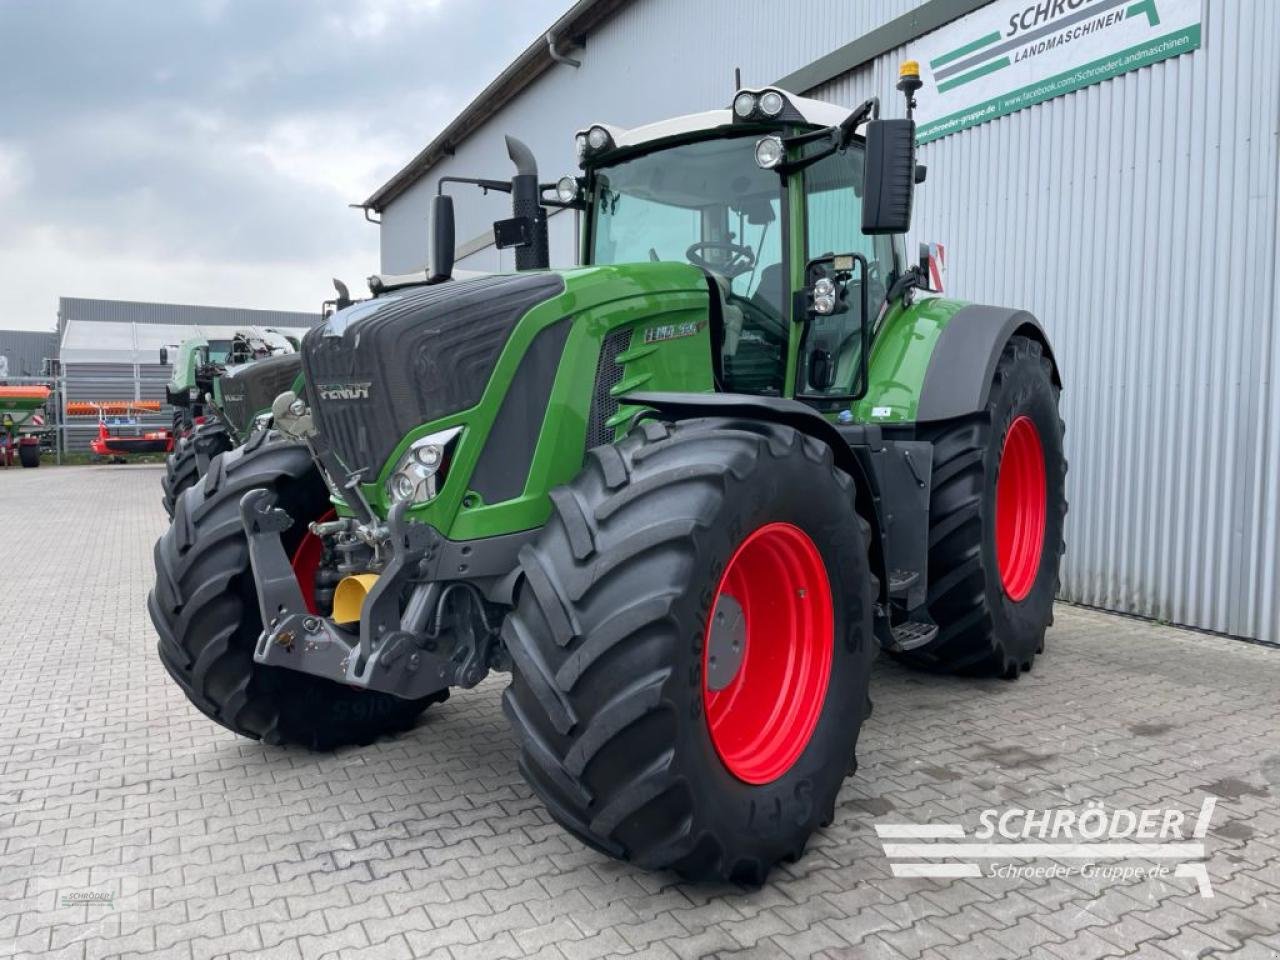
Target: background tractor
{"points": [[220, 391], [683, 493]]}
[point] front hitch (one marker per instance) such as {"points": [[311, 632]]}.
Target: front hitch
{"points": [[386, 655]]}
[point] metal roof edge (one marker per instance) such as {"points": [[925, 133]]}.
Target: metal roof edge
{"points": [[916, 23], [586, 15], [580, 19]]}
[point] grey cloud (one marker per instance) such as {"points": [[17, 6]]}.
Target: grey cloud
{"points": [[140, 127]]}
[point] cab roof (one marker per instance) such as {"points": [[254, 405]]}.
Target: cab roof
{"points": [[796, 110]]}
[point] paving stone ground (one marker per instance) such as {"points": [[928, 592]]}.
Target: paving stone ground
{"points": [[132, 826]]}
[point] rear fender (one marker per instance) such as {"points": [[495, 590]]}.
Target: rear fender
{"points": [[957, 381], [934, 359]]}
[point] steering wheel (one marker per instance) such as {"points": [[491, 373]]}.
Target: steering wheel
{"points": [[741, 259]]}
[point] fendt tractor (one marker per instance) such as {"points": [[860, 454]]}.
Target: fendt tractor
{"points": [[682, 493], [221, 391]]}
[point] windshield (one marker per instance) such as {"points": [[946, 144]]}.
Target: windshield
{"points": [[219, 350], [707, 203]]}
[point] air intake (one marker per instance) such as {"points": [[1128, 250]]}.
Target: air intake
{"points": [[608, 375]]}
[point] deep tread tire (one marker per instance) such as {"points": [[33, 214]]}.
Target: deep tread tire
{"points": [[182, 467], [205, 609], [982, 632], [29, 454], [606, 640]]}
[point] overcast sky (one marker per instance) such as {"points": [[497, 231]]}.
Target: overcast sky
{"points": [[205, 151]]}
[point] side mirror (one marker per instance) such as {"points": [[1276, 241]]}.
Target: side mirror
{"points": [[442, 237], [164, 355], [890, 176]]}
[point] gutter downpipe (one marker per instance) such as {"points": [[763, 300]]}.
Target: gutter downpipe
{"points": [[556, 55]]}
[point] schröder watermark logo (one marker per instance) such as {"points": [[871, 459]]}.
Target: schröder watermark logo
{"points": [[1116, 844]]}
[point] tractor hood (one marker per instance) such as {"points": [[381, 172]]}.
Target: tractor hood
{"points": [[248, 388], [377, 369]]}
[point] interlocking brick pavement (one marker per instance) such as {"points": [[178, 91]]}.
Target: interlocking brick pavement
{"points": [[208, 845]]}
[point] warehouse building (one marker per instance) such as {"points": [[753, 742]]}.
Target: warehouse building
{"points": [[109, 350], [26, 353], [1110, 165]]}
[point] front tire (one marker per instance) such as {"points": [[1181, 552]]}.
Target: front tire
{"points": [[205, 608], [182, 467], [996, 515], [621, 708]]}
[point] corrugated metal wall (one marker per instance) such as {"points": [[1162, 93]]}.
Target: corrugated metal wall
{"points": [[654, 59], [1137, 219], [26, 350]]}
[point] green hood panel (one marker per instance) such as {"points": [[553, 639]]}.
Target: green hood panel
{"points": [[654, 318]]}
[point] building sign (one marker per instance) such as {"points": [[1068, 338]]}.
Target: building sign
{"points": [[1012, 54]]}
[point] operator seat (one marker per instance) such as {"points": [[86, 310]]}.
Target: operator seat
{"points": [[754, 348]]}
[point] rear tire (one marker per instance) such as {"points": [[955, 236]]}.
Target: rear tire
{"points": [[182, 467], [611, 682], [993, 607], [204, 606], [29, 454]]}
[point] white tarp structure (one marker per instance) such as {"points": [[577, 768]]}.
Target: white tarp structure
{"points": [[109, 350], [111, 341]]}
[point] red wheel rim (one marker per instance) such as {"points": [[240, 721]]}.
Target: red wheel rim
{"points": [[1020, 508], [762, 719], [306, 561]]}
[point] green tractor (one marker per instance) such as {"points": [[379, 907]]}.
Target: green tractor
{"points": [[220, 392], [683, 493]]}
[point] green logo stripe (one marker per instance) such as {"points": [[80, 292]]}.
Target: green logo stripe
{"points": [[958, 52], [1104, 68], [989, 67]]}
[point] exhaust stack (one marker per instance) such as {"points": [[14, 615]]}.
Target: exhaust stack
{"points": [[526, 204]]}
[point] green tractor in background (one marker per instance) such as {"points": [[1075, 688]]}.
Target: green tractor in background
{"points": [[220, 392], [683, 493]]}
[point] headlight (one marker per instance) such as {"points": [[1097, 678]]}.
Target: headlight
{"points": [[769, 152], [567, 189], [824, 296], [429, 455], [401, 486], [422, 470], [593, 140], [761, 106]]}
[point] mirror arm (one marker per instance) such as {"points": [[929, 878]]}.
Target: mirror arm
{"points": [[502, 186], [836, 137]]}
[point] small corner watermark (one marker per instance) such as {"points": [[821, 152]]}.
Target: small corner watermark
{"points": [[1117, 844], [107, 907]]}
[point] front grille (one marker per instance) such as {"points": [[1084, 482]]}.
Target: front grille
{"points": [[608, 375], [380, 368]]}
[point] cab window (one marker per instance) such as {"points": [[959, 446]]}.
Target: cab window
{"points": [[830, 357], [707, 203]]}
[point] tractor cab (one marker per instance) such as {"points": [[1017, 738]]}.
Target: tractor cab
{"points": [[762, 197], [794, 209]]}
